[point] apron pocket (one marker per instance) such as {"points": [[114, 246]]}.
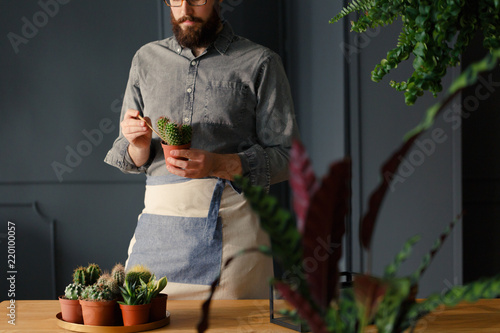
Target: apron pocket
{"points": [[184, 249]]}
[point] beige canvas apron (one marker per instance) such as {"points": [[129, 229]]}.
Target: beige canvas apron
{"points": [[176, 236]]}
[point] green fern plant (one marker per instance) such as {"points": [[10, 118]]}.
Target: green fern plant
{"points": [[174, 134], [434, 34]]}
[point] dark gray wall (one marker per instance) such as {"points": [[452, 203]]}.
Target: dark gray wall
{"points": [[64, 67], [426, 195]]}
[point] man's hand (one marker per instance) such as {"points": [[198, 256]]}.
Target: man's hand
{"points": [[138, 135], [201, 164]]}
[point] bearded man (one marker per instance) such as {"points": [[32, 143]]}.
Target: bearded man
{"points": [[235, 95]]}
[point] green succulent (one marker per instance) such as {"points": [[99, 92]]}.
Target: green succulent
{"points": [[80, 276], [172, 133], [118, 274], [93, 273], [107, 280], [136, 274], [87, 275], [73, 291], [97, 292]]}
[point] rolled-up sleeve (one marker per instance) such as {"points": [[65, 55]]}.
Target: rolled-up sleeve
{"points": [[118, 155], [266, 162]]}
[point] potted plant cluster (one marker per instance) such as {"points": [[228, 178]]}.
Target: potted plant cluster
{"points": [[139, 289], [71, 310], [94, 296], [174, 136]]}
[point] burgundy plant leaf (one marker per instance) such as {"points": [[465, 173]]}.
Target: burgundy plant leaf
{"points": [[303, 308], [369, 292], [377, 197], [323, 233], [302, 181]]}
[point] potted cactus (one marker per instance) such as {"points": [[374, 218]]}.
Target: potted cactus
{"points": [[98, 305], [173, 136], [71, 310], [137, 292]]}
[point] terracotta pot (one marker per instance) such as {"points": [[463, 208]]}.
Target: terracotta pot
{"points": [[71, 310], [158, 308], [98, 313], [135, 314], [168, 148]]}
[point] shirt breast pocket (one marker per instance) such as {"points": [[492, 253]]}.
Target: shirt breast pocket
{"points": [[227, 104]]}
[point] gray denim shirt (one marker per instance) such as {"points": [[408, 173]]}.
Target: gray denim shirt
{"points": [[235, 95]]}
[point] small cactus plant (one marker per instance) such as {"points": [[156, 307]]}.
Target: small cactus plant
{"points": [[93, 273], [137, 273], [73, 291], [87, 276], [80, 276], [172, 133], [107, 280], [97, 292], [118, 274]]}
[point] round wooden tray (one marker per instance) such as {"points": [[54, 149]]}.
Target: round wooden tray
{"points": [[112, 329]]}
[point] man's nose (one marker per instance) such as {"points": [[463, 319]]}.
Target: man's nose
{"points": [[186, 8]]}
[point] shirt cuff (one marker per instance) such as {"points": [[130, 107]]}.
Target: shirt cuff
{"points": [[119, 157], [255, 166]]}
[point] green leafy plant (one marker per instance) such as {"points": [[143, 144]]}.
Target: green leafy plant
{"points": [[434, 34], [389, 301], [135, 292], [174, 134], [158, 286]]}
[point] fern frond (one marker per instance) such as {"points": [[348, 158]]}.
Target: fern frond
{"points": [[354, 6]]}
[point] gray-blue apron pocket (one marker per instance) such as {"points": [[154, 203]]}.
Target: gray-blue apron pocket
{"points": [[184, 249]]}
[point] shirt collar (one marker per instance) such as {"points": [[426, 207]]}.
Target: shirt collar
{"points": [[224, 39]]}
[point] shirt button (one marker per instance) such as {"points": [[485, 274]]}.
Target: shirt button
{"points": [[193, 63], [189, 90]]}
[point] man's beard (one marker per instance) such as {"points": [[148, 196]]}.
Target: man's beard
{"points": [[198, 35]]}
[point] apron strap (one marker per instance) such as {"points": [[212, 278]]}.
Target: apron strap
{"points": [[213, 211]]}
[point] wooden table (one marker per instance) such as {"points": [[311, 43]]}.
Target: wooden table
{"points": [[252, 316]]}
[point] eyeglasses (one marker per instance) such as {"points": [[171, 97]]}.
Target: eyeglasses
{"points": [[178, 3]]}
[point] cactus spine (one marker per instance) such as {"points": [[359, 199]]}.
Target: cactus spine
{"points": [[172, 133]]}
